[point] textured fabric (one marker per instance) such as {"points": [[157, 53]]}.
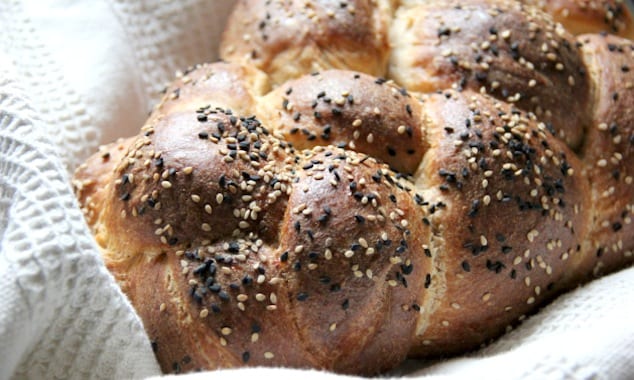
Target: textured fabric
{"points": [[75, 74]]}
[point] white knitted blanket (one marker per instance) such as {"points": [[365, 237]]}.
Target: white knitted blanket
{"points": [[75, 74]]}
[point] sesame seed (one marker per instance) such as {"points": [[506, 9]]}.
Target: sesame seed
{"points": [[166, 184]]}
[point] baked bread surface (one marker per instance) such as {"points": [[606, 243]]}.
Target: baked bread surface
{"points": [[364, 181]]}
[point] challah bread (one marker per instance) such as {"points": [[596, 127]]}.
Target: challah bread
{"points": [[341, 221]]}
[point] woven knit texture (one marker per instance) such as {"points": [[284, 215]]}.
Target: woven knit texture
{"points": [[76, 74]]}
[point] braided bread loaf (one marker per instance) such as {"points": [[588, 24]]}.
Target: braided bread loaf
{"points": [[355, 221]]}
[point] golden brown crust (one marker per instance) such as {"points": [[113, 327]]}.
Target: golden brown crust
{"points": [[499, 47], [197, 207], [590, 16], [92, 178], [222, 84], [244, 236], [509, 208], [289, 38], [609, 151], [348, 109]]}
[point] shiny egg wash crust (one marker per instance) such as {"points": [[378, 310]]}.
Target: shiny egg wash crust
{"points": [[354, 222], [233, 252], [261, 181]]}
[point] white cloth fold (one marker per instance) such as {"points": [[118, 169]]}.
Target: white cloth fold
{"points": [[75, 74]]}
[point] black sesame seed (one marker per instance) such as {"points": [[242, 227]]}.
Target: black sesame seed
{"points": [[466, 266], [345, 304], [255, 328], [444, 31], [407, 269], [246, 356], [234, 247]]}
